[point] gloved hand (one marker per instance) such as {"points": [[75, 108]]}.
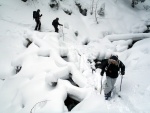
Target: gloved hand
{"points": [[122, 72]]}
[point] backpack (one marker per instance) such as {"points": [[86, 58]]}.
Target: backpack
{"points": [[53, 23], [102, 63], [118, 63], [34, 14]]}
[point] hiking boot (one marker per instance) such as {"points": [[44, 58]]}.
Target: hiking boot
{"points": [[108, 95], [106, 98], [39, 29]]}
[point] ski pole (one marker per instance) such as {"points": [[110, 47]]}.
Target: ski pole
{"points": [[62, 32], [121, 82], [101, 85]]}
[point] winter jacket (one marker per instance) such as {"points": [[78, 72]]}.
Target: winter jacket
{"points": [[56, 23], [111, 69], [38, 15]]}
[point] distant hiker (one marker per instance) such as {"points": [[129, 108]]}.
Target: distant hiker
{"points": [[37, 16], [112, 67], [55, 23]]}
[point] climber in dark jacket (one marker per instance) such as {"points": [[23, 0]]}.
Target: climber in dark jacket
{"points": [[55, 23], [37, 20], [112, 67]]}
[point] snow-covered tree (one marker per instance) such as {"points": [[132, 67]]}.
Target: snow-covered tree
{"points": [[92, 7]]}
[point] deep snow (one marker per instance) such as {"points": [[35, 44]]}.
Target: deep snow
{"points": [[42, 63]]}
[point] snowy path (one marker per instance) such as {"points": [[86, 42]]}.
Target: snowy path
{"points": [[46, 51], [116, 104], [53, 59]]}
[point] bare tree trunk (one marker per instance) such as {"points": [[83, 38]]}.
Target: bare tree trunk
{"points": [[96, 12], [92, 7]]}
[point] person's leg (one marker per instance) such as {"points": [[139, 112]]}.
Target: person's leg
{"points": [[113, 90], [110, 82], [56, 30], [39, 25], [108, 87], [36, 24], [113, 81]]}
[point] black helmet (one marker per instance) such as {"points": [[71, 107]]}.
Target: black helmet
{"points": [[38, 10]]}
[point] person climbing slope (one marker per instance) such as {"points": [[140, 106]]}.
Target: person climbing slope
{"points": [[112, 67], [37, 16], [55, 23]]}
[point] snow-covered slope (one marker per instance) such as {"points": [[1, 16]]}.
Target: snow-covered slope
{"points": [[63, 57]]}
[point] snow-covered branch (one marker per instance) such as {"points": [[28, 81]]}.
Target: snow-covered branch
{"points": [[135, 36]]}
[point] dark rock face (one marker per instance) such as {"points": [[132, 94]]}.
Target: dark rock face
{"points": [[82, 11], [24, 0], [70, 103], [67, 12]]}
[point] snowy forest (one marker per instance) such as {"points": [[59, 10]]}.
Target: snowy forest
{"points": [[58, 69]]}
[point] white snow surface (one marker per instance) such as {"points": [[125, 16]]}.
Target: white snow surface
{"points": [[57, 57]]}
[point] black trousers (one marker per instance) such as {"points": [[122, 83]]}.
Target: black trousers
{"points": [[56, 29], [38, 24]]}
